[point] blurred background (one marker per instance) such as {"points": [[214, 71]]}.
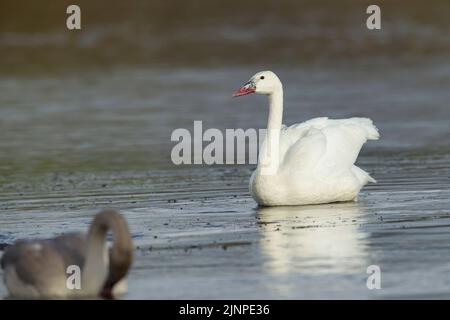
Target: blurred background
{"points": [[86, 118], [109, 95]]}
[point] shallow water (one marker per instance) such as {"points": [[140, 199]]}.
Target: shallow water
{"points": [[198, 234], [85, 123]]}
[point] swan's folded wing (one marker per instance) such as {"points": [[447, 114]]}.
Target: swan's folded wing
{"points": [[306, 152], [300, 130], [365, 127], [34, 263], [293, 134], [329, 147], [345, 139], [361, 127], [42, 264], [72, 248]]}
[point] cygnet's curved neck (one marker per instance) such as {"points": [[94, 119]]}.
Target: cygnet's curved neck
{"points": [[102, 267], [96, 266]]}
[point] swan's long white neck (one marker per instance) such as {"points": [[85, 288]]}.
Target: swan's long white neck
{"points": [[269, 158], [276, 110]]}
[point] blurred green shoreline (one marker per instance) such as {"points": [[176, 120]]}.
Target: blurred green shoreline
{"points": [[34, 38]]}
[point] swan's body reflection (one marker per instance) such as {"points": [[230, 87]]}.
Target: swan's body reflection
{"points": [[314, 240]]}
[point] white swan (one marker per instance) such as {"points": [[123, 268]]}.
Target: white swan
{"points": [[39, 268], [307, 163]]}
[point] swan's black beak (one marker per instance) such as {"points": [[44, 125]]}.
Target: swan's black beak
{"points": [[247, 88]]}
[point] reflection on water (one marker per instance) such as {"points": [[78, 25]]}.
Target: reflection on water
{"points": [[313, 240]]}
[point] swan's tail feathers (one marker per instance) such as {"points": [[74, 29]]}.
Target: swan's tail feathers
{"points": [[368, 126], [372, 131], [370, 179], [362, 176]]}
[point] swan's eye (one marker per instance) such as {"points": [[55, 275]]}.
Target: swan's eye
{"points": [[262, 77]]}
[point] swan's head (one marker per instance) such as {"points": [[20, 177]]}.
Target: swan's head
{"points": [[264, 82]]}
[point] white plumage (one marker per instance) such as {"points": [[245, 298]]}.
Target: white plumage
{"points": [[310, 162]]}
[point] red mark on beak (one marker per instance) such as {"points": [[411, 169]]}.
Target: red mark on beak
{"points": [[246, 89]]}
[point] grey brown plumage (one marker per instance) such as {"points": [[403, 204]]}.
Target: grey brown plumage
{"points": [[37, 268]]}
